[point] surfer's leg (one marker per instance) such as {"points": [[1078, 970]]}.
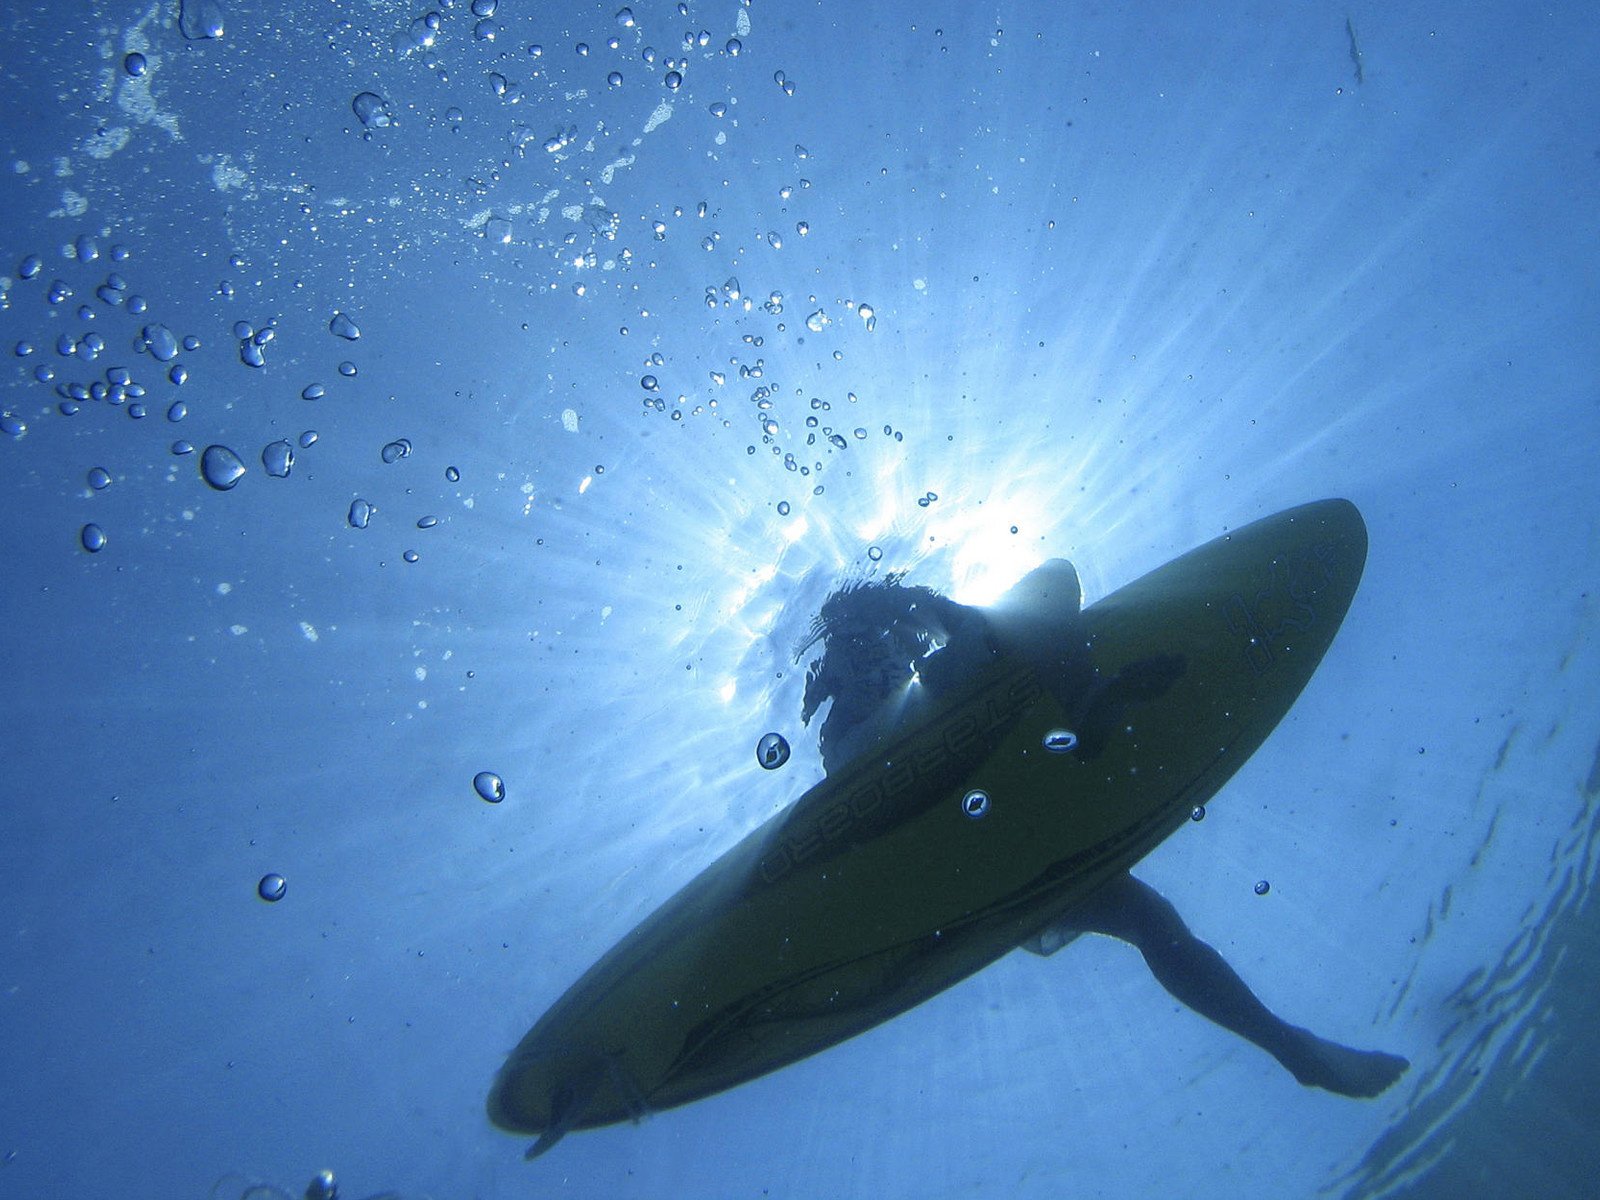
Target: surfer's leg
{"points": [[1200, 978]]}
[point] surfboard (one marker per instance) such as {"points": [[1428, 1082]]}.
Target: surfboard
{"points": [[1064, 760]]}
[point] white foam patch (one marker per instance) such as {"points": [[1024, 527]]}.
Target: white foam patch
{"points": [[660, 117]]}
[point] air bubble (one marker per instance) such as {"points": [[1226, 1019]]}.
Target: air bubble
{"points": [[1060, 741], [772, 751], [360, 513], [278, 459], [343, 326], [1262, 887], [160, 342], [976, 803], [92, 538], [372, 110], [489, 786], [221, 467], [272, 888], [99, 479]]}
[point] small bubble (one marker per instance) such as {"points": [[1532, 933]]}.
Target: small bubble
{"points": [[278, 459], [179, 374], [308, 439], [976, 803], [427, 522], [30, 266], [411, 556], [1262, 887], [343, 326], [625, 17], [733, 47], [614, 79], [135, 64], [1197, 813], [772, 751], [182, 448], [313, 391], [347, 369], [12, 426], [673, 80], [453, 475], [99, 479], [489, 786], [272, 888], [93, 538], [874, 553], [221, 467], [783, 508], [649, 383], [250, 354], [1060, 741], [360, 513], [396, 450]]}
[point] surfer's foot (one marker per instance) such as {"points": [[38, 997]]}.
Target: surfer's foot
{"points": [[1358, 1073]]}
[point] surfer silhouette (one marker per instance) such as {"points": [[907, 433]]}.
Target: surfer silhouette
{"points": [[892, 652]]}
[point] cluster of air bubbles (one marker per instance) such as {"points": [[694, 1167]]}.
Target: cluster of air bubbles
{"points": [[926, 499], [253, 342], [784, 82], [818, 321]]}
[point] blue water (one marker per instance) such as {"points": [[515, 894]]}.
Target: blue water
{"points": [[1135, 275]]}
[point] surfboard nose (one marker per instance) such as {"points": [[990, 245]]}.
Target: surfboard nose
{"points": [[522, 1098]]}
